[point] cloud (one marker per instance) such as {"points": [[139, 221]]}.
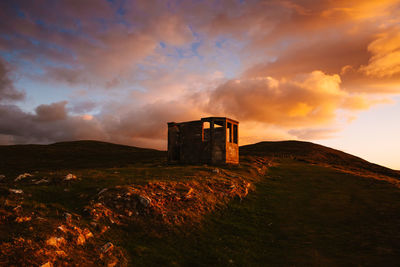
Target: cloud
{"points": [[314, 133], [287, 69], [43, 127], [307, 100], [385, 59], [88, 42], [52, 112], [83, 106], [142, 125], [7, 90]]}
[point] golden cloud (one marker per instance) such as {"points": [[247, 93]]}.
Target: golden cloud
{"points": [[306, 100], [385, 59]]}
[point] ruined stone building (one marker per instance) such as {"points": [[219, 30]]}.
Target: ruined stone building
{"points": [[212, 140]]}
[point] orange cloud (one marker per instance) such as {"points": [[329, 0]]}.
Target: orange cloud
{"points": [[385, 59], [306, 100]]}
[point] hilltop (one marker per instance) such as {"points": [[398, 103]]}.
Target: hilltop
{"points": [[315, 154], [287, 203], [76, 154]]}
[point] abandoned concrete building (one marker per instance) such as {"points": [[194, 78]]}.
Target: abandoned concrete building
{"points": [[212, 140]]}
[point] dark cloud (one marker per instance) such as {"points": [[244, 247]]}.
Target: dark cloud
{"points": [[143, 126], [52, 112], [7, 89], [26, 127]]}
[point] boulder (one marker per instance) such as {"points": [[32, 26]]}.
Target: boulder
{"points": [[55, 241], [16, 191], [22, 176], [70, 177]]}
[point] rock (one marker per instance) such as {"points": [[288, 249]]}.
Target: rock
{"points": [[87, 233], [107, 247], [61, 253], [69, 177], [80, 240], [102, 191], [189, 193], [16, 191], [42, 181], [47, 264], [23, 219], [62, 228], [22, 176], [55, 241], [145, 201]]}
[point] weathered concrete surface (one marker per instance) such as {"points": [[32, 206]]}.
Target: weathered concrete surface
{"points": [[212, 140]]}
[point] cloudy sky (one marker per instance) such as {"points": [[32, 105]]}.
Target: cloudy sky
{"points": [[118, 70]]}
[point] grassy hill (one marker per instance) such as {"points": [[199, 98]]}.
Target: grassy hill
{"points": [[314, 153], [74, 155], [287, 204]]}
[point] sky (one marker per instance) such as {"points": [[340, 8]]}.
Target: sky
{"points": [[119, 70]]}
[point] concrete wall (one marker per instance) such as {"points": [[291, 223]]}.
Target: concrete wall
{"points": [[189, 143]]}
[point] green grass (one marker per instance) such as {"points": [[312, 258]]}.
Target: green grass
{"points": [[300, 215]]}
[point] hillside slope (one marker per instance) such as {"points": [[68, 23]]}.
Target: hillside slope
{"points": [[314, 153], [287, 204], [76, 154]]}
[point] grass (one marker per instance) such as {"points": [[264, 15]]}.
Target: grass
{"points": [[299, 214]]}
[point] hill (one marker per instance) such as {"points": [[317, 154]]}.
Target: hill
{"points": [[288, 203], [76, 154], [314, 153]]}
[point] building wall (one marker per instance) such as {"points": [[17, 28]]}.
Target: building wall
{"points": [[232, 144], [232, 153], [173, 143], [218, 146], [189, 143]]}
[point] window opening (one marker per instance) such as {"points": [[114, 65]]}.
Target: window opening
{"points": [[218, 124], [206, 131], [235, 133], [229, 132]]}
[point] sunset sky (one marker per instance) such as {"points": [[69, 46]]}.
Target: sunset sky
{"points": [[323, 71]]}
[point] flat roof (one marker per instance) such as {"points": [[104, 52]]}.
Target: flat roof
{"points": [[219, 118], [205, 119]]}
